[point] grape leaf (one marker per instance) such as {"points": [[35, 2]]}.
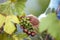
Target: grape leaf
{"points": [[4, 36], [5, 8], [1, 37], [19, 6], [13, 0], [14, 19], [9, 8], [2, 20], [9, 26], [51, 24], [43, 23], [15, 37], [19, 36], [23, 35]]}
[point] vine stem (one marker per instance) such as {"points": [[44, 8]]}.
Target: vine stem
{"points": [[41, 37], [38, 33], [46, 37]]}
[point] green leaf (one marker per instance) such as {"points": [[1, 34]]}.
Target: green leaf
{"points": [[9, 21], [9, 8], [13, 19], [15, 37], [4, 36], [5, 8], [9, 27], [1, 37], [2, 20], [45, 23], [19, 6], [19, 36], [22, 35], [51, 24]]}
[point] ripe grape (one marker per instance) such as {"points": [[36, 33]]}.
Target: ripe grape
{"points": [[25, 30], [22, 27], [29, 33], [33, 33]]}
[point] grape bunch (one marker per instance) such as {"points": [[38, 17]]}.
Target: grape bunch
{"points": [[27, 23]]}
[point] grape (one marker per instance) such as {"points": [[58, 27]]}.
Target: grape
{"points": [[25, 30], [22, 27], [33, 33], [29, 33]]}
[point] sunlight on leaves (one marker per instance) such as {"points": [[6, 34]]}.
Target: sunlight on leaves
{"points": [[52, 25], [9, 27], [2, 20]]}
